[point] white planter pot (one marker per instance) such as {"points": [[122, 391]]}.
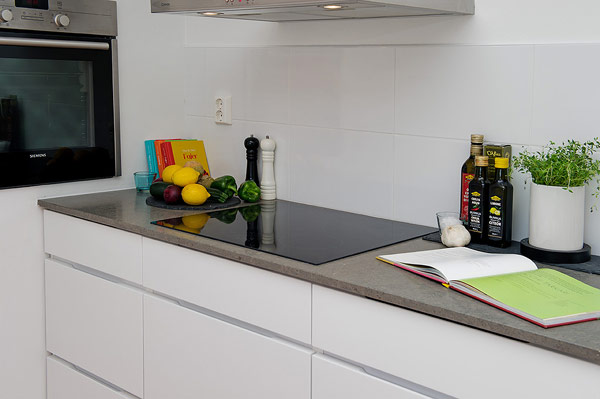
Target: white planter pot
{"points": [[556, 217]]}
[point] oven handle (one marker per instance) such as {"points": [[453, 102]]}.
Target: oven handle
{"points": [[8, 41]]}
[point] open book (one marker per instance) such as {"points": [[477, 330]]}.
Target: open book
{"points": [[509, 282]]}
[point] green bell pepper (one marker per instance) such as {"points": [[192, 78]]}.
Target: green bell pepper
{"points": [[226, 184], [249, 191]]}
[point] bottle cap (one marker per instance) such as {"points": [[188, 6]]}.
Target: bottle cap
{"points": [[477, 138], [501, 163], [481, 160], [476, 150]]}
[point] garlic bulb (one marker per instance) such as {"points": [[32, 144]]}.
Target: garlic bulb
{"points": [[455, 236]]}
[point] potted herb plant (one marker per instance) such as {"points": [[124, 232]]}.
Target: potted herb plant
{"points": [[559, 174]]}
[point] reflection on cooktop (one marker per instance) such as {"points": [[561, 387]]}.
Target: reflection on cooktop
{"points": [[297, 231]]}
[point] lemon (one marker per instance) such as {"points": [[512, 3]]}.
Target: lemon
{"points": [[167, 174], [185, 176], [194, 194], [195, 221]]}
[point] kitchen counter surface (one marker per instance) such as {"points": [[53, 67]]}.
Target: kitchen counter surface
{"points": [[360, 274]]}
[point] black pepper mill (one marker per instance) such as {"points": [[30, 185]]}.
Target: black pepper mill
{"points": [[251, 143]]}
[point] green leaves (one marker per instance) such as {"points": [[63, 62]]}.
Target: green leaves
{"points": [[570, 164]]}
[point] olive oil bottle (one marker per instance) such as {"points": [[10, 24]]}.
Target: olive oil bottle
{"points": [[501, 207], [478, 202], [467, 174]]}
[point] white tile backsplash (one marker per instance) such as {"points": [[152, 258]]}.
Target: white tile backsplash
{"points": [[342, 169], [266, 84], [567, 93], [352, 121], [225, 74], [427, 177], [453, 91], [343, 87], [195, 82]]}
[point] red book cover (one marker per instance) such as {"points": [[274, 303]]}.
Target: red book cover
{"points": [[167, 153], [159, 156]]}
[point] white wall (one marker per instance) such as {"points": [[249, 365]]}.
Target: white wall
{"points": [[151, 103], [374, 116]]}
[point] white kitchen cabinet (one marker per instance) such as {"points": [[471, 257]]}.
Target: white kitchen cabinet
{"points": [[271, 301], [443, 356], [332, 378], [103, 248], [65, 382], [191, 355], [95, 324]]}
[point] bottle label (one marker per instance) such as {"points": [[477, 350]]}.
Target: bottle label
{"points": [[475, 212], [495, 220], [464, 199]]}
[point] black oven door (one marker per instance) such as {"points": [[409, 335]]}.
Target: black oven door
{"points": [[58, 108]]}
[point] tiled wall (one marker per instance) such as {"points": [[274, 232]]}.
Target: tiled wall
{"points": [[383, 130]]}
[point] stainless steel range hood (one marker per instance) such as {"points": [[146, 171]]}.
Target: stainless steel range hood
{"points": [[305, 10]]}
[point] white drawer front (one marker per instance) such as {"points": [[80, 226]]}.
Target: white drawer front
{"points": [[334, 379], [64, 382], [444, 356], [107, 249], [268, 300], [189, 355], [96, 325]]}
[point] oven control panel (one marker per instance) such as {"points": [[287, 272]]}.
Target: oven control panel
{"points": [[94, 17]]}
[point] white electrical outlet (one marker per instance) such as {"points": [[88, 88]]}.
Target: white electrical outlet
{"points": [[223, 110]]}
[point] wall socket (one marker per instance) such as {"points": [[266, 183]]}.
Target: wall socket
{"points": [[223, 110]]}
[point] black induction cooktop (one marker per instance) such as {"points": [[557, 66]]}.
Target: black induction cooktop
{"points": [[297, 231]]}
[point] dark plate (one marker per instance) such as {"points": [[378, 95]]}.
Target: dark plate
{"points": [[207, 206]]}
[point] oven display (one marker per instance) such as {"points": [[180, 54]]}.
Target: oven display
{"points": [[38, 4]]}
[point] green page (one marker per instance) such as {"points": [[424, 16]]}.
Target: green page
{"points": [[543, 293]]}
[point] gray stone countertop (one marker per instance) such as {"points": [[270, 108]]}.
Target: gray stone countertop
{"points": [[361, 274]]}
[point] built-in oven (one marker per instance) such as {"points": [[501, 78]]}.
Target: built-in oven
{"points": [[59, 115]]}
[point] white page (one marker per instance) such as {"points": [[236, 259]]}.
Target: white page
{"points": [[460, 263]]}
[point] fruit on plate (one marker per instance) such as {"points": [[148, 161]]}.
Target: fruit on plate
{"points": [[157, 189], [217, 195], [226, 184], [194, 194], [172, 194], [167, 174], [206, 181], [197, 166], [185, 176]]}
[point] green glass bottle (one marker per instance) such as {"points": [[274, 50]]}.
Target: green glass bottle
{"points": [[501, 207], [467, 173], [478, 202]]}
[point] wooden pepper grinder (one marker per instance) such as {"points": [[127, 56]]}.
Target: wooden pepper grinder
{"points": [[268, 190], [251, 143]]}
